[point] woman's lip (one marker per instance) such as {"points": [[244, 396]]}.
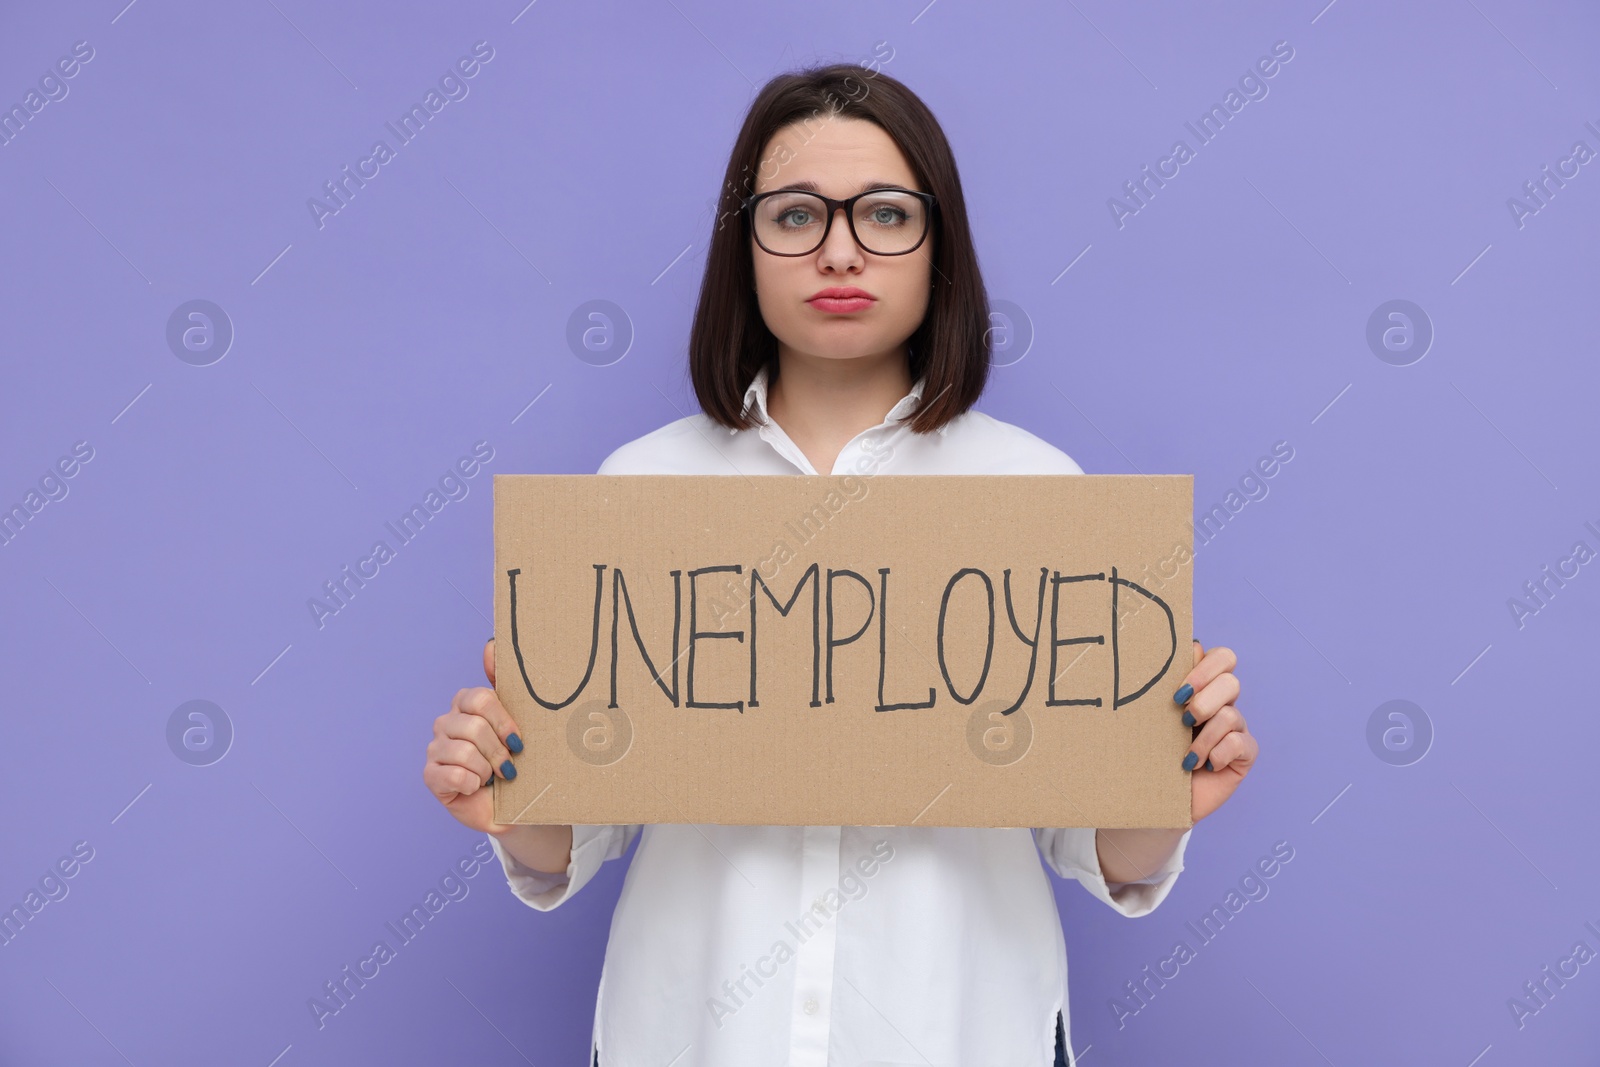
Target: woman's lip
{"points": [[840, 305]]}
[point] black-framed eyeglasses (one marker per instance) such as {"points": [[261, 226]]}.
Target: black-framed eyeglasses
{"points": [[884, 222]]}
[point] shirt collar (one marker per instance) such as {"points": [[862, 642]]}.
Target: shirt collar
{"points": [[755, 397]]}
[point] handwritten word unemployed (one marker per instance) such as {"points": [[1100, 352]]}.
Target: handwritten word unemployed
{"points": [[825, 626]]}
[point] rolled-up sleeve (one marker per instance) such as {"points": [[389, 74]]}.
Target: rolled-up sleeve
{"points": [[1071, 853], [591, 846]]}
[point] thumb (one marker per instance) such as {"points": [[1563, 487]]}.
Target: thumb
{"points": [[488, 660], [1199, 654]]}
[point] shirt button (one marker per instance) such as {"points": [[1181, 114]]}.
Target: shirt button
{"points": [[810, 1006]]}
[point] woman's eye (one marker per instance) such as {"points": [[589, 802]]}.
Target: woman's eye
{"points": [[794, 217], [888, 216]]}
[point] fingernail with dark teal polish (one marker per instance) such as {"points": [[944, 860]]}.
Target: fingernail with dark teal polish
{"points": [[1208, 765], [490, 781], [514, 743], [508, 770], [1188, 761], [1185, 691], [1188, 718]]}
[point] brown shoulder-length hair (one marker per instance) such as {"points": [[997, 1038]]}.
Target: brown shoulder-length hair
{"points": [[729, 341]]}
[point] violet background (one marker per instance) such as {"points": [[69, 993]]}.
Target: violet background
{"points": [[1227, 315]]}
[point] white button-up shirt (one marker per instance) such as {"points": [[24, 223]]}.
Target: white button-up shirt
{"points": [[835, 946]]}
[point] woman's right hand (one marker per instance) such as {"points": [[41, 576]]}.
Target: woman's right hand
{"points": [[471, 743]]}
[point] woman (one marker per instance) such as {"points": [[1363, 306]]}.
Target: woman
{"points": [[844, 335]]}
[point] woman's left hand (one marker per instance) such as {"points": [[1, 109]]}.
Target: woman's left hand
{"points": [[1224, 751]]}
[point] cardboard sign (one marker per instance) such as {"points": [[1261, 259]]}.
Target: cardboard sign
{"points": [[938, 650]]}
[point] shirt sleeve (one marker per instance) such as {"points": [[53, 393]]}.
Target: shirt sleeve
{"points": [[591, 846], [1071, 853]]}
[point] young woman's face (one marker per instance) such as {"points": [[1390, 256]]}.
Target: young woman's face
{"points": [[842, 157]]}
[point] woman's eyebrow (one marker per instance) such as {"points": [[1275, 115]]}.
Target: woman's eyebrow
{"points": [[812, 187]]}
